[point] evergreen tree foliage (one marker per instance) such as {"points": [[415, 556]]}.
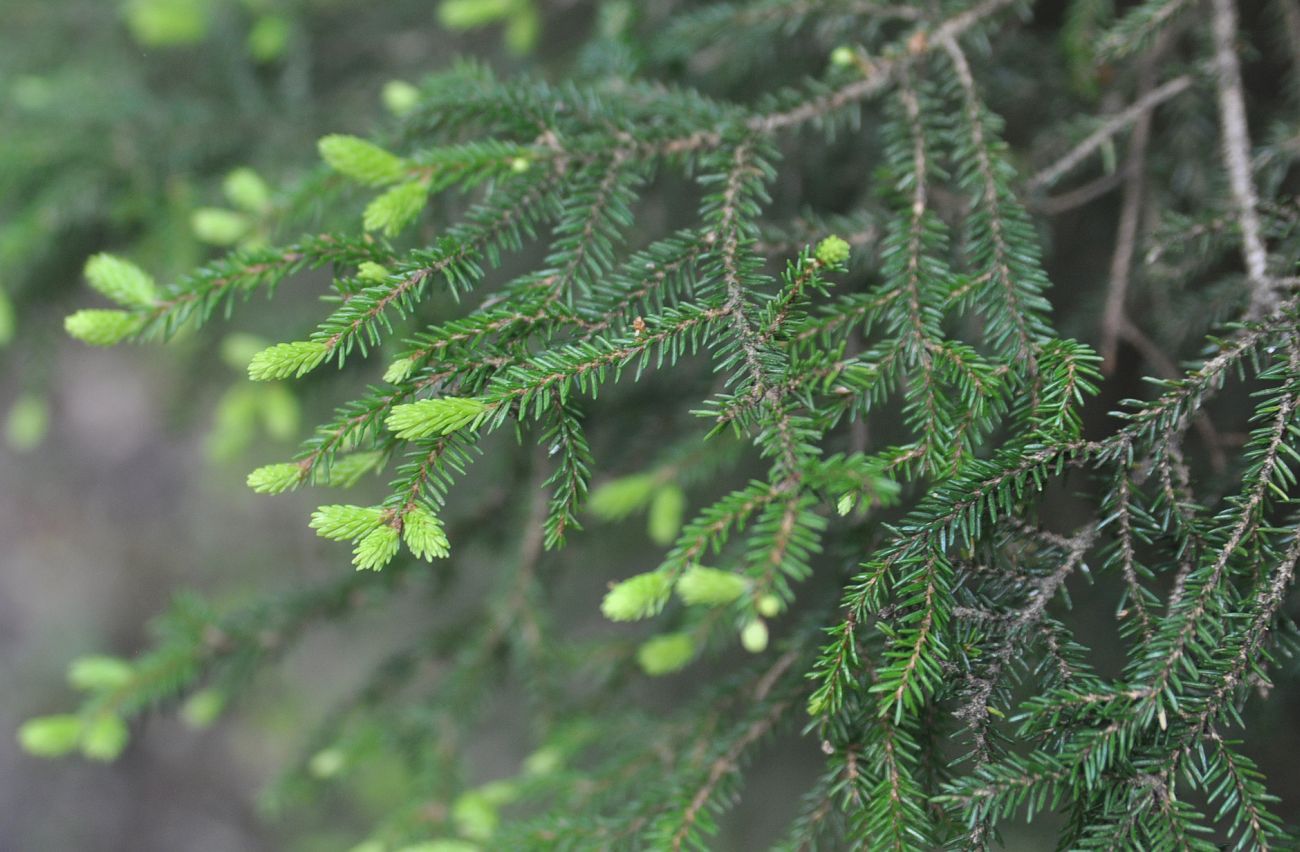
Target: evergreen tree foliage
{"points": [[869, 440]]}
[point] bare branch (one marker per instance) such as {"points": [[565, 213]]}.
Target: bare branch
{"points": [[1236, 156], [1139, 110]]}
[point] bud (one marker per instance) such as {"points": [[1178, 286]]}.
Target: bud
{"points": [[754, 636], [400, 97], [424, 534], [621, 497], [769, 606], [345, 523], [101, 328], [203, 708], [664, 520], [105, 737], [360, 160], [97, 674], [666, 654], [217, 226], [710, 586], [284, 360], [843, 57], [121, 281], [246, 190], [845, 503], [430, 417], [327, 763], [371, 271], [50, 736], [399, 370], [376, 549], [636, 597], [275, 478], [833, 251]]}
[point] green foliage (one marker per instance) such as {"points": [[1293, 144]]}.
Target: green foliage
{"points": [[99, 673], [364, 162], [104, 737], [275, 478], [430, 417], [637, 597], [396, 208], [901, 475], [102, 327], [50, 736], [709, 586], [287, 360], [666, 654], [424, 534], [219, 227], [120, 281], [346, 523], [376, 548]]}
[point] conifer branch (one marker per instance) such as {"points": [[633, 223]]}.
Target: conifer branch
{"points": [[839, 275]]}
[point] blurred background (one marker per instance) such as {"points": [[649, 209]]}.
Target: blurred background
{"points": [[167, 131], [162, 130]]}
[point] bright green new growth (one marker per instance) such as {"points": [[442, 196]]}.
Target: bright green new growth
{"points": [[121, 281], [373, 273], [400, 97], [275, 478], [664, 519], [50, 736], [666, 654], [399, 371], [346, 523], [287, 360], [203, 708], [247, 190], [637, 597], [99, 673], [396, 208], [103, 737], [621, 497], [376, 548], [754, 636], [101, 327], [833, 251], [424, 534], [218, 226], [710, 586], [430, 417], [362, 161]]}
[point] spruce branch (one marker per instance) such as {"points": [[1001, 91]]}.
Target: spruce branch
{"points": [[902, 482]]}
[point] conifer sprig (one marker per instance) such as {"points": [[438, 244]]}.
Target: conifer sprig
{"points": [[903, 353]]}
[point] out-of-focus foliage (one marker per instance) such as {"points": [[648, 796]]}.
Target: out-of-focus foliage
{"points": [[162, 129]]}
